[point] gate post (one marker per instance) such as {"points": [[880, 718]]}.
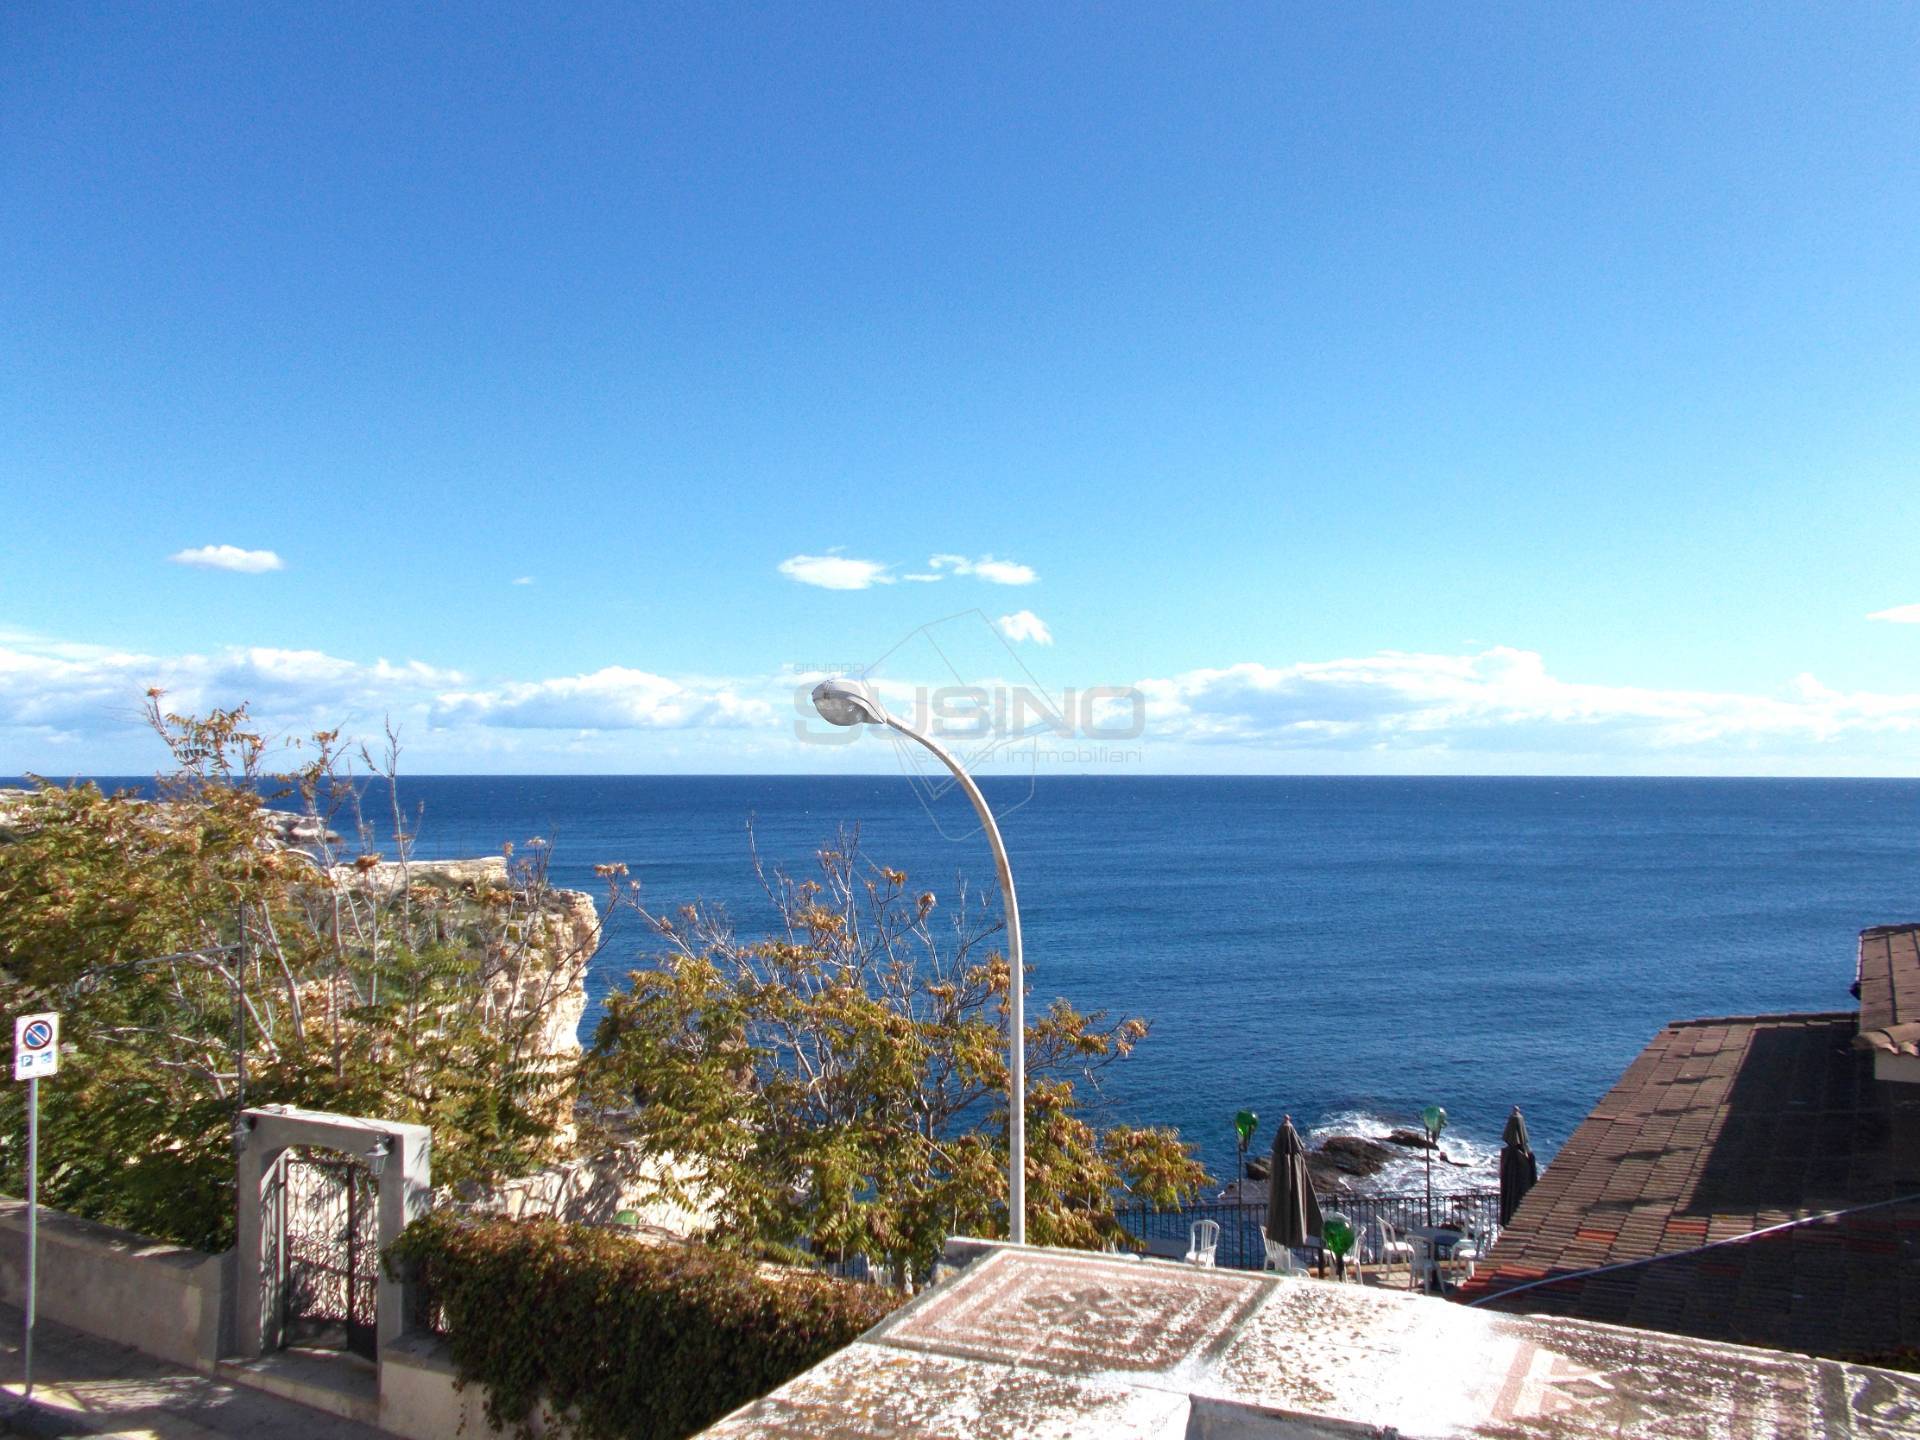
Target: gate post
{"points": [[406, 1193], [257, 1316]]}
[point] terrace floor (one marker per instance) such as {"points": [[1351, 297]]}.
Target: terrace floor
{"points": [[87, 1386], [1055, 1345]]}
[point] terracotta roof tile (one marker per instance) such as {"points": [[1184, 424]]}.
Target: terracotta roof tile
{"points": [[1889, 988], [1720, 1127]]}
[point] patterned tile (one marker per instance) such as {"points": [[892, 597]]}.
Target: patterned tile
{"points": [[872, 1392], [1085, 1316]]}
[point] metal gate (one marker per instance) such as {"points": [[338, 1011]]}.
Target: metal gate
{"points": [[329, 1259]]}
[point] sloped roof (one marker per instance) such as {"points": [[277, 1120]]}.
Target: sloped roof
{"points": [[1721, 1127], [1890, 989]]}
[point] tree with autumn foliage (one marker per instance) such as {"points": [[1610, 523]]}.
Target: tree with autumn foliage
{"points": [[842, 1082], [209, 953]]}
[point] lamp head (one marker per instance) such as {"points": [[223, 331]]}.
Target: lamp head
{"points": [[1434, 1118], [376, 1156], [847, 702]]}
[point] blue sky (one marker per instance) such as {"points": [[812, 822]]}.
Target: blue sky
{"points": [[1375, 389]]}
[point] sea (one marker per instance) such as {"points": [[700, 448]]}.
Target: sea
{"points": [[1345, 951]]}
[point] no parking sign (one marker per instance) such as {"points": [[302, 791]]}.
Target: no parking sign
{"points": [[36, 1052], [36, 1046]]}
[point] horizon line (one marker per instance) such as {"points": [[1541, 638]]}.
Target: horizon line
{"points": [[98, 775]]}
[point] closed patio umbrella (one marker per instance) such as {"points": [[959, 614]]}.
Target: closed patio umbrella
{"points": [[1293, 1211], [1518, 1169]]}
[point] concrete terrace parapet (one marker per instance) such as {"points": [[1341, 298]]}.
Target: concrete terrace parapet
{"points": [[421, 1397], [1056, 1345], [165, 1300]]}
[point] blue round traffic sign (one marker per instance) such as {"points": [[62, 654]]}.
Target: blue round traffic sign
{"points": [[37, 1036]]}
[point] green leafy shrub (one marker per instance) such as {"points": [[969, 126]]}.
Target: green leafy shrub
{"points": [[621, 1339]]}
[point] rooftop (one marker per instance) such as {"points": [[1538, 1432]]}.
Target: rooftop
{"points": [[1890, 989], [1722, 1127], [1049, 1345]]}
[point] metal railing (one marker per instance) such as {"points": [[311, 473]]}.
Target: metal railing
{"points": [[1243, 1224], [1243, 1227]]}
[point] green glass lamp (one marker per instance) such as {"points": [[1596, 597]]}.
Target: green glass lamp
{"points": [[1337, 1231]]}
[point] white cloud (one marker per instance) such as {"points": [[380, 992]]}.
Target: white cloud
{"points": [[1505, 699], [523, 580], [60, 694], [995, 572], [614, 698], [229, 557], [1004, 572], [1486, 709], [1025, 625], [93, 688], [1899, 615], [835, 572]]}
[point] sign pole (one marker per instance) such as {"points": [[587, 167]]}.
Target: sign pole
{"points": [[33, 1223], [36, 1052]]}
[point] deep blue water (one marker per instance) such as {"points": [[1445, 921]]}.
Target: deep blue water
{"points": [[1344, 949]]}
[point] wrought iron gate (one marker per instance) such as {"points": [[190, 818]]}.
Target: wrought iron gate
{"points": [[330, 1254]]}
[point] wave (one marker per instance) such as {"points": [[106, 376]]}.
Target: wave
{"points": [[1469, 1163]]}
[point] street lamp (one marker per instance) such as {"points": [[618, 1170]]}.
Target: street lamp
{"points": [[848, 702], [1245, 1122], [1435, 1119]]}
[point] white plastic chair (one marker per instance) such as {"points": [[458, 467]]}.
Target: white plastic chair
{"points": [[1383, 1243], [1345, 1267], [1280, 1259], [1470, 1251], [1202, 1242]]}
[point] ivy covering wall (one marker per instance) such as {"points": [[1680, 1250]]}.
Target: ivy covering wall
{"points": [[621, 1339]]}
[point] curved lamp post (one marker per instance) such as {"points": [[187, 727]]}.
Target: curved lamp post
{"points": [[848, 702]]}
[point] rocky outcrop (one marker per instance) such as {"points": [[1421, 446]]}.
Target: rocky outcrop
{"points": [[1333, 1165], [1351, 1155], [386, 878], [565, 937], [285, 828], [13, 803], [1339, 1161], [538, 942], [624, 1187], [554, 934]]}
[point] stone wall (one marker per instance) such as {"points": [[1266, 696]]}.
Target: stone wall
{"points": [[165, 1300]]}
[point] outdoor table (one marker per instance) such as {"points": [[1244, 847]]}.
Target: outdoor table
{"points": [[1433, 1243], [1166, 1247]]}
